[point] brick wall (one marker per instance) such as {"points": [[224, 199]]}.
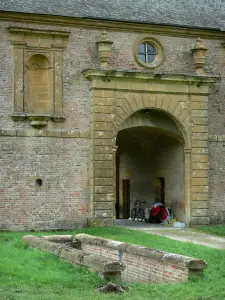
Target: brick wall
{"points": [[141, 269], [143, 264], [61, 201]]}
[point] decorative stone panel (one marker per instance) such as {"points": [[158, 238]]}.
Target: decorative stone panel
{"points": [[38, 74], [115, 96]]}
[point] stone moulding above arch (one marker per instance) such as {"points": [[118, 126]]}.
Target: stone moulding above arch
{"points": [[176, 110], [133, 91], [154, 119]]}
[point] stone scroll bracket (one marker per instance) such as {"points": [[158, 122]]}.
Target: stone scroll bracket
{"points": [[116, 95], [38, 60]]}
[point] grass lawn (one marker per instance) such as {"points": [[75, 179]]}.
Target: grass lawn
{"points": [[216, 229], [28, 273]]}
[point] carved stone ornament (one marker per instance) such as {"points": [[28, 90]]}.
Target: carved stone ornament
{"points": [[104, 50], [199, 56], [39, 121]]}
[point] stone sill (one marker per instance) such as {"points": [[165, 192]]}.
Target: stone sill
{"points": [[45, 133], [38, 121], [146, 75]]}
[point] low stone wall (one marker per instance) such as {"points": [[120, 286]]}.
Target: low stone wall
{"points": [[118, 260], [143, 264], [64, 247]]}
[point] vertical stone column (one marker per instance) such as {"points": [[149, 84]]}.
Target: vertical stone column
{"points": [[102, 176], [58, 84], [19, 78], [200, 167], [187, 185]]}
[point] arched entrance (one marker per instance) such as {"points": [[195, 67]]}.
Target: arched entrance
{"points": [[116, 96], [150, 163]]}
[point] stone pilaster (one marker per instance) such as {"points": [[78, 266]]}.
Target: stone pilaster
{"points": [[200, 167], [101, 207]]}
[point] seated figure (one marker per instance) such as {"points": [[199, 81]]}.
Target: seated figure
{"points": [[157, 213]]}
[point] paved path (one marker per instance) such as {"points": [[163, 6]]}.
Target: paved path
{"points": [[183, 235]]}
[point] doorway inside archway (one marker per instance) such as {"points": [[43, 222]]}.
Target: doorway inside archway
{"points": [[150, 164]]}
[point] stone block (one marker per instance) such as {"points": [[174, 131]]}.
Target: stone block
{"points": [[104, 156], [104, 181], [104, 213], [106, 222], [200, 197], [200, 189], [199, 144], [98, 93], [199, 128], [109, 94], [71, 134], [198, 89], [103, 126], [200, 150], [104, 134], [200, 173], [200, 204], [104, 142], [200, 158], [199, 113], [199, 98], [201, 212], [8, 132], [121, 113], [104, 197], [199, 220], [104, 172], [103, 149], [200, 136], [200, 181], [199, 105], [200, 121], [54, 133], [104, 205], [103, 164], [85, 134], [200, 166], [104, 109], [102, 101], [101, 189], [100, 117]]}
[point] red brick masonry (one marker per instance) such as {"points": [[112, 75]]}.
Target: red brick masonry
{"points": [[144, 264]]}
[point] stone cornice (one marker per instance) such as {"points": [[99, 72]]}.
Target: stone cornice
{"points": [[107, 75], [112, 25], [33, 31]]}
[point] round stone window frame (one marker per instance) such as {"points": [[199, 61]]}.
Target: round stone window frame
{"points": [[159, 50]]}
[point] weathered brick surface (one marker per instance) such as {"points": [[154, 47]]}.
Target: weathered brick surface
{"points": [[143, 264], [217, 182], [61, 202]]}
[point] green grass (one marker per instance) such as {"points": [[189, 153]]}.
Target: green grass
{"points": [[28, 273], [216, 229]]}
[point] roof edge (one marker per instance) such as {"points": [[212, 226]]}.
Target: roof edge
{"points": [[162, 29]]}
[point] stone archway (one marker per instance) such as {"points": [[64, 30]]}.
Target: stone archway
{"points": [[116, 95], [150, 163]]}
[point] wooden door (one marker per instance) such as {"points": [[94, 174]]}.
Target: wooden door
{"points": [[126, 199]]}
